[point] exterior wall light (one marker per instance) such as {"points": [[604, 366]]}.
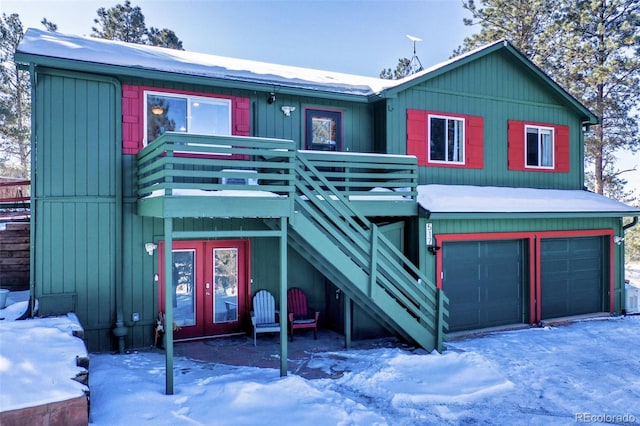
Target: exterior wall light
{"points": [[150, 247], [433, 249], [272, 98], [288, 110]]}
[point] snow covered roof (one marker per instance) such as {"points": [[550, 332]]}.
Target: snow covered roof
{"points": [[115, 53], [130, 57], [492, 199]]}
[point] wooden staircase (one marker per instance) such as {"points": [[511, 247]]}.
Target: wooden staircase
{"points": [[349, 250]]}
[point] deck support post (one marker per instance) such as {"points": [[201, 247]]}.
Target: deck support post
{"points": [[168, 304], [284, 330], [347, 321]]}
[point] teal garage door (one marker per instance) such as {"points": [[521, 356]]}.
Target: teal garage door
{"points": [[484, 282], [572, 280]]}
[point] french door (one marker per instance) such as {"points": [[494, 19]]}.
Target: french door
{"points": [[210, 286]]}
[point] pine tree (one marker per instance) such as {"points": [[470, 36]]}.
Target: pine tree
{"points": [[15, 105], [524, 23], [127, 23], [402, 70], [598, 63]]}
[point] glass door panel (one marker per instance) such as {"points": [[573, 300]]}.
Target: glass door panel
{"points": [[184, 295], [225, 278]]}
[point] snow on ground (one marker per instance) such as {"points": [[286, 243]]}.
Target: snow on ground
{"points": [[37, 357], [556, 375], [545, 376]]}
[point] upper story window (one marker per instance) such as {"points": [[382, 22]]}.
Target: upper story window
{"points": [[168, 112], [446, 139], [323, 130], [539, 149]]}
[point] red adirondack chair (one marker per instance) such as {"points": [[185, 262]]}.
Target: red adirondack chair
{"points": [[300, 316]]}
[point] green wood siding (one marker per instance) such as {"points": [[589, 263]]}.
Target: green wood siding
{"points": [[75, 196], [497, 90]]}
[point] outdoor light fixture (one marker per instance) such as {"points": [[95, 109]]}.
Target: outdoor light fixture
{"points": [[157, 110], [272, 98], [288, 110], [618, 240], [433, 249], [150, 247]]}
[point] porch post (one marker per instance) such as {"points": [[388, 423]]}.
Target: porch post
{"points": [[347, 321], [283, 297], [168, 304]]}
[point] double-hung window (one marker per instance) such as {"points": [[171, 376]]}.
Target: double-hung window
{"points": [[539, 147], [169, 112], [446, 139]]}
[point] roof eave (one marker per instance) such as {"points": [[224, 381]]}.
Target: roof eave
{"points": [[25, 59], [529, 215]]}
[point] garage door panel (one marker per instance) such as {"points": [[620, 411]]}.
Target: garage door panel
{"points": [[483, 281], [572, 280]]}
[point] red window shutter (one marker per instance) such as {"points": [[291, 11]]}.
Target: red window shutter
{"points": [[241, 117], [475, 142], [562, 149], [417, 135], [132, 120], [515, 136]]}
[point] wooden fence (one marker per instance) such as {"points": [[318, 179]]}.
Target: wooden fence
{"points": [[14, 256]]}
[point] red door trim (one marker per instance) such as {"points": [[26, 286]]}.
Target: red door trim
{"points": [[534, 238], [205, 263]]}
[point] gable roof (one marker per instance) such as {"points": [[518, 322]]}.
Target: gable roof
{"points": [[513, 54], [98, 55]]}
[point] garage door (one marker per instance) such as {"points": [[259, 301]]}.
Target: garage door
{"points": [[572, 280], [484, 282]]}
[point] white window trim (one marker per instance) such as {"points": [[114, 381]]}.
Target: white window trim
{"points": [[553, 147], [463, 139], [189, 98]]}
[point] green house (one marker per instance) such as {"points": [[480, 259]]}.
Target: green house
{"points": [[450, 200]]}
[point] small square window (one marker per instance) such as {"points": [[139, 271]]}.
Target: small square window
{"points": [[539, 147], [323, 130], [446, 139]]}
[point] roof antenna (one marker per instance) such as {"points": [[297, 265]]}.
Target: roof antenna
{"points": [[414, 65]]}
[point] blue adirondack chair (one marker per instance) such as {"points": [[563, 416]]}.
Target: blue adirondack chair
{"points": [[264, 316]]}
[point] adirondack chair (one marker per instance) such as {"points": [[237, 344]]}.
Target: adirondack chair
{"points": [[300, 316], [264, 316]]}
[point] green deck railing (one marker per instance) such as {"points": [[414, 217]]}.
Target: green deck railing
{"points": [[176, 163], [363, 176]]}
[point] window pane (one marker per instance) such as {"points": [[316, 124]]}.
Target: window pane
{"points": [[456, 144], [546, 146], [209, 117], [165, 114], [184, 288], [437, 143], [225, 278], [323, 130], [532, 147]]}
